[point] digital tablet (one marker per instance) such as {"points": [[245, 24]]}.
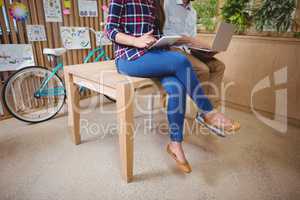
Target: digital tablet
{"points": [[166, 41]]}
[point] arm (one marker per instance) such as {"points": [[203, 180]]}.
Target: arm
{"points": [[145, 41], [114, 19], [194, 41], [113, 32], [191, 39]]}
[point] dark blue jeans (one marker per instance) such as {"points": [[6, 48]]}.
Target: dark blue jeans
{"points": [[178, 79]]}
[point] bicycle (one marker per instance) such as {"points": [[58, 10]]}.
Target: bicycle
{"points": [[46, 87]]}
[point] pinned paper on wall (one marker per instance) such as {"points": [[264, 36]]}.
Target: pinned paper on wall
{"points": [[19, 11], [88, 8], [52, 10], [75, 37], [67, 7], [36, 33], [67, 4], [66, 11], [15, 56], [101, 39]]}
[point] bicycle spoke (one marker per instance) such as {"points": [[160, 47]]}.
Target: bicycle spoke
{"points": [[23, 87]]}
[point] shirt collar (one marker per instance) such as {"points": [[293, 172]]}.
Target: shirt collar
{"points": [[189, 6]]}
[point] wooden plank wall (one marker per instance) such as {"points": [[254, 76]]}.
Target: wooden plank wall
{"points": [[17, 34]]}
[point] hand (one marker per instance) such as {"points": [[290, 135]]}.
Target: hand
{"points": [[197, 43], [184, 40], [145, 41]]}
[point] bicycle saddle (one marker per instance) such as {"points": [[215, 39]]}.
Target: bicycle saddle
{"points": [[54, 52]]}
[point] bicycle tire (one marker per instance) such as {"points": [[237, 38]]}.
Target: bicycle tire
{"points": [[4, 97]]}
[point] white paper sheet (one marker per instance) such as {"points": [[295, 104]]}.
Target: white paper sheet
{"points": [[88, 8], [75, 37], [15, 56], [36, 33], [101, 39], [52, 9]]}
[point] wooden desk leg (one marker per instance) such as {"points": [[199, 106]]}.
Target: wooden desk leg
{"points": [[73, 98], [125, 94]]}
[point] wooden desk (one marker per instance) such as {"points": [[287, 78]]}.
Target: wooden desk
{"points": [[103, 78]]}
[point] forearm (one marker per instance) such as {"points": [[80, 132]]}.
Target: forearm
{"points": [[144, 41], [184, 40], [122, 38], [198, 42]]}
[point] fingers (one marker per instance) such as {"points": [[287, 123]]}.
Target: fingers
{"points": [[150, 43], [150, 32]]}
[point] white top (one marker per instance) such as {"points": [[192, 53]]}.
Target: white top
{"points": [[180, 20]]}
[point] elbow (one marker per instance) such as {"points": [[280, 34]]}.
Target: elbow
{"points": [[111, 33]]}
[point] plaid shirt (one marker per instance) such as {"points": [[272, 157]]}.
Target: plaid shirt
{"points": [[132, 17]]}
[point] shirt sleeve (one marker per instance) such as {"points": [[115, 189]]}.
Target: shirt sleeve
{"points": [[195, 19], [168, 30], [114, 18]]}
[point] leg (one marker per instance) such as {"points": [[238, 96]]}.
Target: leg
{"points": [[176, 106], [217, 69], [202, 73], [200, 68], [125, 116], [188, 77], [167, 63], [73, 108], [176, 112], [214, 119]]}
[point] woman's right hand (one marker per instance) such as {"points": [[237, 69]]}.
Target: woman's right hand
{"points": [[145, 41]]}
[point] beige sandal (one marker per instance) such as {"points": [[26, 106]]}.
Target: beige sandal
{"points": [[183, 166], [220, 131]]}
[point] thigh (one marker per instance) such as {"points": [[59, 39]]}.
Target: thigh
{"points": [[200, 68], [153, 64], [216, 66]]}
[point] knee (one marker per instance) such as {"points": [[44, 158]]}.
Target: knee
{"points": [[220, 66], [182, 61], [203, 71], [173, 86], [174, 89]]}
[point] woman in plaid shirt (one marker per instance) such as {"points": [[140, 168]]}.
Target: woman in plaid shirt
{"points": [[135, 25]]}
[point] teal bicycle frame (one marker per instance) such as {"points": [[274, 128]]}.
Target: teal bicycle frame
{"points": [[43, 91]]}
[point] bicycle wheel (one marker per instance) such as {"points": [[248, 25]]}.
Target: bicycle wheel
{"points": [[29, 97]]}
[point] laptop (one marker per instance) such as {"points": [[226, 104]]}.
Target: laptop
{"points": [[222, 39]]}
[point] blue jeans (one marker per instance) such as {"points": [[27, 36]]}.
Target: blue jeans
{"points": [[178, 79]]}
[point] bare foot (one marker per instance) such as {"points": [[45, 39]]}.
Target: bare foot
{"points": [[219, 120], [176, 148]]}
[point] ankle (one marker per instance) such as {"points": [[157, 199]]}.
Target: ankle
{"points": [[209, 114], [175, 145]]}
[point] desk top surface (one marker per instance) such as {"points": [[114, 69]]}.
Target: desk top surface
{"points": [[104, 73]]}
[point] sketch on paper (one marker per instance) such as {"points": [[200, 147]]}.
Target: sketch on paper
{"points": [[52, 10], [75, 37], [101, 39], [88, 8], [36, 33], [15, 56]]}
